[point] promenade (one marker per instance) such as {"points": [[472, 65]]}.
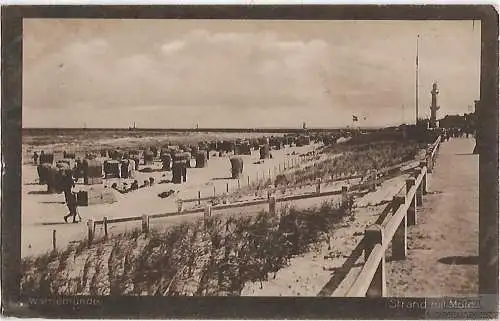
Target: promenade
{"points": [[443, 246]]}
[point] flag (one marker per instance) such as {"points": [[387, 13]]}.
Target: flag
{"points": [[354, 118]]}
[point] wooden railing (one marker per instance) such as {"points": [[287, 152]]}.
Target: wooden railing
{"points": [[392, 229]]}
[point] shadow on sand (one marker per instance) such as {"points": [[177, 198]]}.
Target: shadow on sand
{"points": [[221, 178], [340, 273], [40, 193], [460, 260], [152, 170], [53, 223]]}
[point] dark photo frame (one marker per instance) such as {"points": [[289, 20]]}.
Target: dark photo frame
{"points": [[242, 307]]}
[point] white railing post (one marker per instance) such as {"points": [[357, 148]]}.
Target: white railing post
{"points": [[375, 235], [418, 193], [412, 209], [424, 179], [400, 238]]}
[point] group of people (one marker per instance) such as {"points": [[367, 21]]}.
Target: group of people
{"points": [[133, 186], [454, 132], [36, 157]]}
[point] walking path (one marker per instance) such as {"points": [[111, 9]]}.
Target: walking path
{"points": [[443, 246]]}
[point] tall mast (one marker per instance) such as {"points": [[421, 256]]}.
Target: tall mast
{"points": [[416, 85]]}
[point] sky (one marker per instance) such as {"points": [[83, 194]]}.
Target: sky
{"points": [[243, 73]]}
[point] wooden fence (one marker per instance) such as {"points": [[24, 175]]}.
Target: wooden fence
{"points": [[271, 198], [378, 177], [374, 177], [392, 229]]}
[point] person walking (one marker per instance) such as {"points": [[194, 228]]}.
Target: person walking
{"points": [[67, 185], [71, 202], [35, 158]]}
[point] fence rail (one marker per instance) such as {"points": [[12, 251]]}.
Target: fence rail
{"points": [[392, 228]]}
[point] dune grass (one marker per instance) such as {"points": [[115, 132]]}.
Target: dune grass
{"points": [[354, 159], [213, 257]]}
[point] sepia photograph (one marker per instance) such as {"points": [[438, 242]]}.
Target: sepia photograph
{"points": [[252, 158]]}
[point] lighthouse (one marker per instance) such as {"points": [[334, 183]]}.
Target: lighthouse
{"points": [[434, 107]]}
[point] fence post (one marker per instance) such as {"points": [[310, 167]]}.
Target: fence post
{"points": [[199, 198], [227, 187], [418, 194], [318, 185], [423, 165], [179, 205], [412, 210], [248, 180], [373, 181], [90, 228], [105, 223], [54, 240], [400, 240], [145, 223], [208, 212], [344, 195], [429, 162], [272, 205], [374, 235], [214, 191], [238, 183]]}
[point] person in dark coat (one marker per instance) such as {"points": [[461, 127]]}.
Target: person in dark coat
{"points": [[35, 158], [67, 184], [71, 202]]}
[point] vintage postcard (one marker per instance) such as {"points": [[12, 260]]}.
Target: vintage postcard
{"points": [[250, 162]]}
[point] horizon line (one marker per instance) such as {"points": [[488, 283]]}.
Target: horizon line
{"points": [[216, 128]]}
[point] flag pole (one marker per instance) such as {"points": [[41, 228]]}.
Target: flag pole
{"points": [[416, 84]]}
